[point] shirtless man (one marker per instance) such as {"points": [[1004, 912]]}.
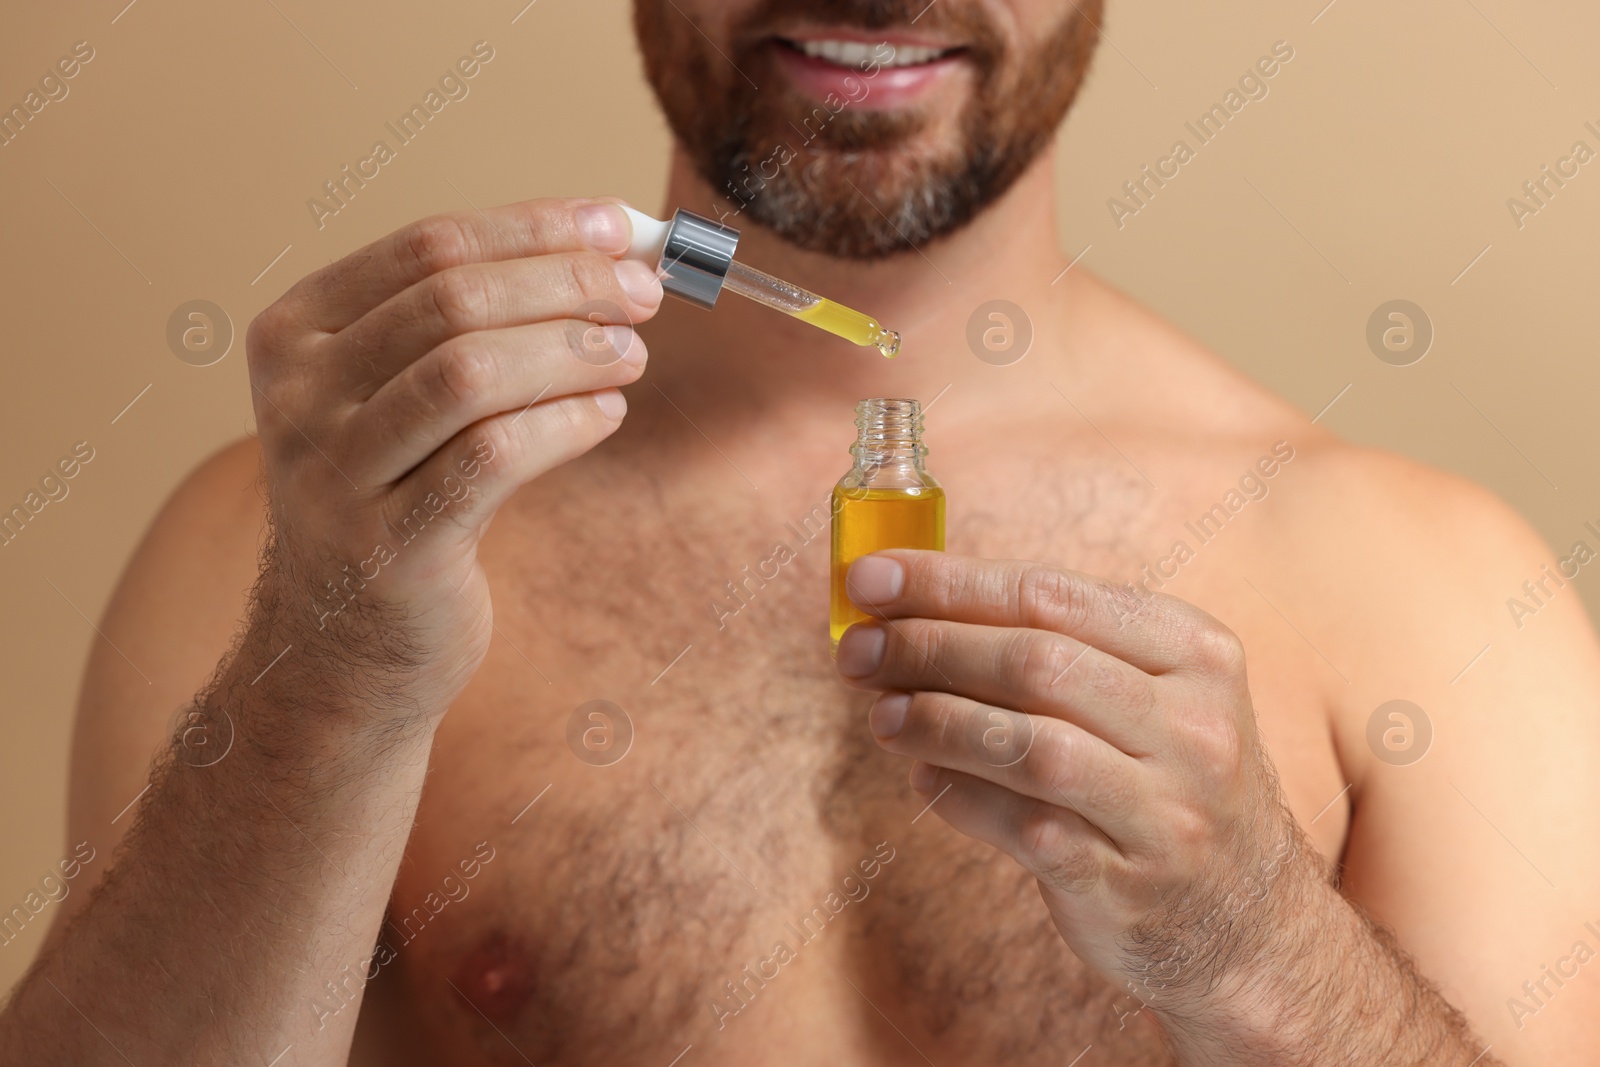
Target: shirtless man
{"points": [[1203, 857]]}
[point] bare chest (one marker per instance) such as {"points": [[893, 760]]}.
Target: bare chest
{"points": [[695, 841]]}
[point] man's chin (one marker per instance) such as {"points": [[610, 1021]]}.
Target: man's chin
{"points": [[863, 204]]}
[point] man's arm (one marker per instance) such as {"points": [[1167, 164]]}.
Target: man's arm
{"points": [[1479, 855], [242, 887], [173, 631], [402, 394]]}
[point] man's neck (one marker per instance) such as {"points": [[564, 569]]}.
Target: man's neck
{"points": [[759, 356]]}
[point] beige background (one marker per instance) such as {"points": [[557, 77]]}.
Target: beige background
{"points": [[1378, 167]]}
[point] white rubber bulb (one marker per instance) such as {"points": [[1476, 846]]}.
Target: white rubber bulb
{"points": [[649, 237]]}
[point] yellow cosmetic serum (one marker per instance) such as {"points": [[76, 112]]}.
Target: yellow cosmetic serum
{"points": [[887, 500]]}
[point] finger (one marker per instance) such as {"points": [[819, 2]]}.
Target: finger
{"points": [[480, 467], [1039, 757], [1033, 671], [1057, 846], [477, 375], [487, 296], [339, 294], [1152, 631]]}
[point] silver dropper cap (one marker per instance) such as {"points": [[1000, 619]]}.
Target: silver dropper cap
{"points": [[696, 257]]}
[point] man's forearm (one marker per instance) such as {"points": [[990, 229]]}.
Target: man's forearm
{"points": [[1322, 985], [244, 887]]}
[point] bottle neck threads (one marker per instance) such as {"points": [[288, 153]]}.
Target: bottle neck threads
{"points": [[890, 434]]}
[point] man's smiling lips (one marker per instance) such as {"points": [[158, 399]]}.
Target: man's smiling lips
{"points": [[840, 62]]}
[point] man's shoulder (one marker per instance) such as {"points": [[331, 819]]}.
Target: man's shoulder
{"points": [[224, 488], [184, 589], [1336, 496], [1162, 384], [1386, 522], [183, 592], [1385, 548], [1410, 580]]}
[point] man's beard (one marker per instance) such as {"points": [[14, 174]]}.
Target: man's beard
{"points": [[840, 179]]}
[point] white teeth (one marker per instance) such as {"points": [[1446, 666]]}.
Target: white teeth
{"points": [[858, 54]]}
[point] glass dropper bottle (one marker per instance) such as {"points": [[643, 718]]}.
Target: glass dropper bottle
{"points": [[694, 257], [886, 500]]}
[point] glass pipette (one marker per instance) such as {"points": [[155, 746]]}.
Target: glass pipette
{"points": [[694, 257]]}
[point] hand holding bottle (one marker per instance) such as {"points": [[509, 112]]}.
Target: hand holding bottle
{"points": [[1105, 739]]}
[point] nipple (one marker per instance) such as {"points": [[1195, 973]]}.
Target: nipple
{"points": [[497, 978]]}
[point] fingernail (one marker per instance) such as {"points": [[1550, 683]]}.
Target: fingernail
{"points": [[639, 282], [626, 344], [874, 580], [604, 228], [860, 650], [888, 715], [611, 404], [924, 776]]}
